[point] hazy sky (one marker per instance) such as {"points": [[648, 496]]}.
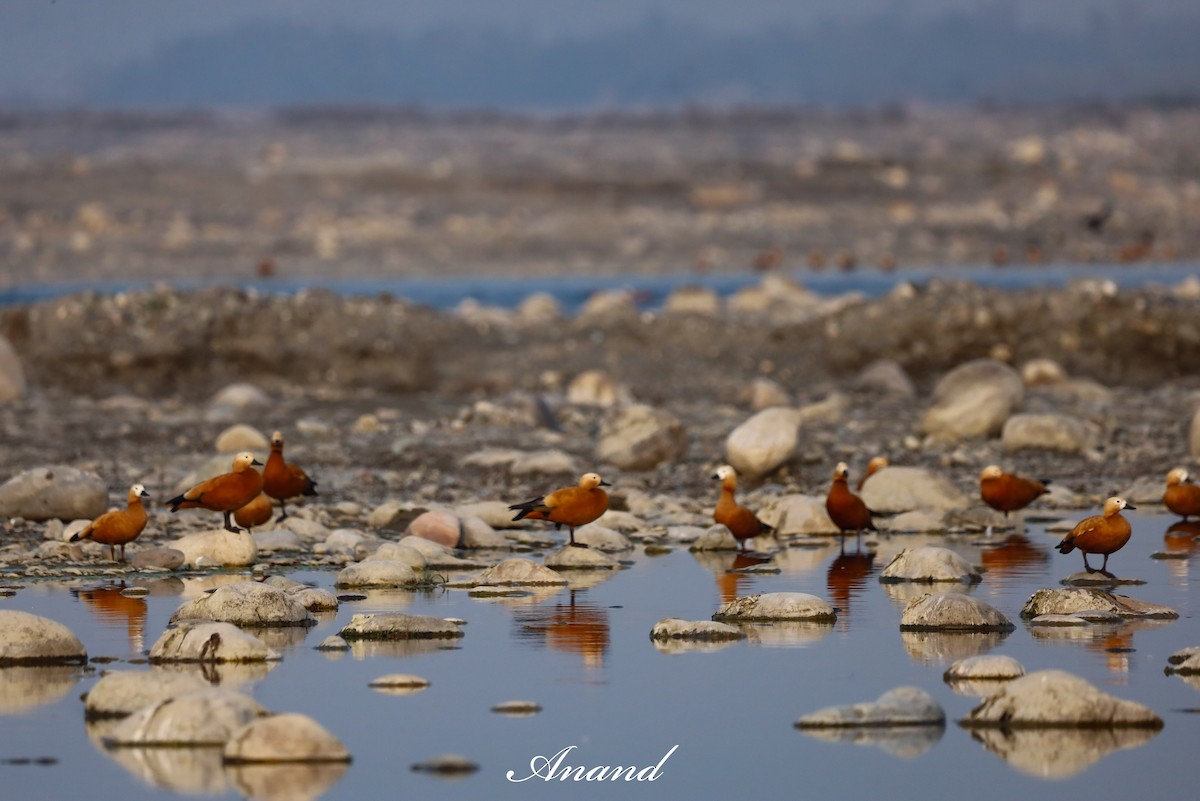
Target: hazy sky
{"points": [[46, 45]]}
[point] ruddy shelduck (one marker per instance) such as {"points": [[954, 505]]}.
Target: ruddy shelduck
{"points": [[1006, 492], [1182, 496], [225, 493], [846, 510], [120, 526], [741, 522], [281, 480], [570, 506], [255, 513], [1103, 534], [875, 464]]}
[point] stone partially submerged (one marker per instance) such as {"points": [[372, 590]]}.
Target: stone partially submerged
{"points": [[1074, 600], [674, 628], [289, 737], [929, 564], [903, 706], [1057, 699], [203, 641], [777, 606], [123, 692], [27, 639], [208, 717], [952, 611], [519, 572], [399, 626], [377, 573], [247, 603]]}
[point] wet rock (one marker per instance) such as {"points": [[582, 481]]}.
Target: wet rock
{"points": [[217, 548], [123, 692], [673, 628], [1057, 432], [398, 626], [986, 667], [902, 489], [765, 442], [277, 540], [208, 717], [802, 515], [246, 603], [1183, 655], [394, 551], [199, 641], [333, 643], [289, 737], [157, 559], [1057, 620], [886, 377], [952, 611], [571, 558], [930, 564], [903, 706], [641, 437], [517, 708], [763, 393], [1072, 600], [12, 375], [399, 680], [241, 437], [377, 573], [1185, 662], [518, 572], [716, 538], [596, 388], [447, 765], [478, 535], [437, 525], [314, 599], [27, 639], [777, 606], [973, 400], [54, 491], [602, 538], [1055, 698]]}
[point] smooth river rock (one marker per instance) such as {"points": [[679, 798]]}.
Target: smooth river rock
{"points": [[1056, 432], [903, 706], [1073, 600], [518, 572], [973, 400], [217, 548], [205, 641], [246, 603], [288, 737], [900, 488], [377, 573], [641, 437], [929, 564], [952, 611], [398, 626], [122, 692], [54, 492], [764, 442], [674, 628], [993, 667], [1055, 698], [570, 557], [777, 606], [208, 717], [27, 639]]}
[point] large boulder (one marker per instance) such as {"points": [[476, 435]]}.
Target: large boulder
{"points": [[1071, 600], [952, 611], [217, 548], [54, 492], [777, 606], [765, 442], [203, 641], [27, 639], [518, 572], [247, 603], [1057, 699], [289, 737], [673, 628], [904, 489], [122, 692], [641, 437], [929, 564], [208, 717], [1055, 432], [903, 706], [377, 573], [802, 515], [398, 626], [973, 400]]}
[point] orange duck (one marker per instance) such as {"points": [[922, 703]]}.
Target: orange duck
{"points": [[1103, 534], [876, 464], [1006, 492], [120, 526], [1182, 496], [740, 521], [282, 480], [571, 506], [225, 493], [846, 510], [255, 513]]}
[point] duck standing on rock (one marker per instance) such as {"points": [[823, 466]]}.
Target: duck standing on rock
{"points": [[846, 510], [570, 506], [1182, 496], [281, 480], [120, 526], [740, 521], [225, 493], [1103, 534]]}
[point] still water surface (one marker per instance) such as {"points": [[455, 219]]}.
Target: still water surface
{"points": [[584, 654]]}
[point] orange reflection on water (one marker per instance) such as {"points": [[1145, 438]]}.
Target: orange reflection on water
{"points": [[574, 627], [117, 610]]}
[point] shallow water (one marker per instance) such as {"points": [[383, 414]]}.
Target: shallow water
{"points": [[585, 655], [650, 291]]}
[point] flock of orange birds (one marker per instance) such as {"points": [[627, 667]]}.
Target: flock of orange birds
{"points": [[248, 496]]}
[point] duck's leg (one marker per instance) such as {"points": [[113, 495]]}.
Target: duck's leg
{"points": [[282, 512], [575, 544], [230, 526], [1086, 566], [1104, 568]]}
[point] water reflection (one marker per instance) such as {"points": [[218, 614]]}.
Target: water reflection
{"points": [[731, 585], [118, 611], [294, 782], [575, 627], [937, 647], [1015, 557], [1058, 753], [23, 688], [907, 742], [847, 578], [398, 649], [1111, 642], [230, 675], [196, 771], [1183, 537], [785, 633], [901, 593]]}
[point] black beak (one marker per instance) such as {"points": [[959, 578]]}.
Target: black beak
{"points": [[1130, 506], [256, 462], [714, 475], [605, 484], [145, 494]]}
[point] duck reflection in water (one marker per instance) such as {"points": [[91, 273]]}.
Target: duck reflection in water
{"points": [[732, 584], [116, 610], [1016, 556], [575, 627], [847, 578]]}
